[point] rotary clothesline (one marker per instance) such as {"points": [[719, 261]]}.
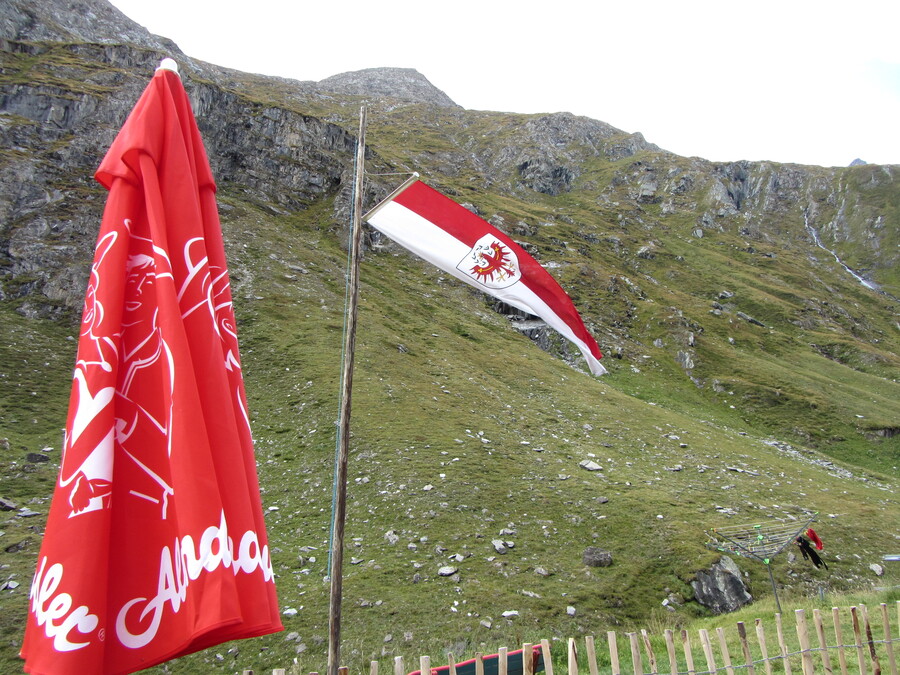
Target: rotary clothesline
{"points": [[761, 541]]}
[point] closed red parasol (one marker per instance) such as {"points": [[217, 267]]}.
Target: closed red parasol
{"points": [[155, 545]]}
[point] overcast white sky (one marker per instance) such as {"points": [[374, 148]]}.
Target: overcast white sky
{"points": [[810, 82]]}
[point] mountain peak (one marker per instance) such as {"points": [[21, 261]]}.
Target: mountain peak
{"points": [[403, 83]]}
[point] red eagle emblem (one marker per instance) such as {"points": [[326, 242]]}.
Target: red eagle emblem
{"points": [[491, 263], [494, 263]]}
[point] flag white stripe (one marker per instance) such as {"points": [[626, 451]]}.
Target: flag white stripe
{"points": [[422, 237]]}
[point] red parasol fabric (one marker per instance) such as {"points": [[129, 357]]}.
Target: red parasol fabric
{"points": [[155, 544]]}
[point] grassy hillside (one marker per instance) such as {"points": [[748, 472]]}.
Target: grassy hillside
{"points": [[464, 431]]}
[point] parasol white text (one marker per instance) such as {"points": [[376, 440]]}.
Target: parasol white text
{"points": [[179, 566], [49, 608]]}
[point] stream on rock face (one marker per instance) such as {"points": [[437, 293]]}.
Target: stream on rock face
{"points": [[815, 235]]}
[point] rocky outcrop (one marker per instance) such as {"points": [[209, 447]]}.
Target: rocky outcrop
{"points": [[58, 124], [542, 176], [550, 150], [276, 155]]}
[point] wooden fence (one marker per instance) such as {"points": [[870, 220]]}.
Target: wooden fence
{"points": [[845, 644]]}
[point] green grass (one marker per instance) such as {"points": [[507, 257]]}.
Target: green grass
{"points": [[464, 407]]}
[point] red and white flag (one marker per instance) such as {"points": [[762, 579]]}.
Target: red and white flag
{"points": [[155, 544], [456, 240]]}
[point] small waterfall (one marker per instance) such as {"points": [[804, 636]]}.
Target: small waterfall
{"points": [[815, 236]]}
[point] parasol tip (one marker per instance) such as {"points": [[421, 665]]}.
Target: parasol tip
{"points": [[168, 64]]}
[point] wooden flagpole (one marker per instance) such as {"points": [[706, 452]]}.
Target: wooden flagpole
{"points": [[340, 511]]}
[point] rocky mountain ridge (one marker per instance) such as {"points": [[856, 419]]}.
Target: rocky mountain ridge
{"points": [[547, 153]]}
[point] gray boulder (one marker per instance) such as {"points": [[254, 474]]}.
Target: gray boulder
{"points": [[721, 589], [596, 557]]}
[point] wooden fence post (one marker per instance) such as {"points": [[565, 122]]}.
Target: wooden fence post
{"points": [[573, 657], [785, 659], [876, 665], [591, 652], [651, 657], [613, 652], [503, 661], [479, 661], [764, 650], [745, 648], [803, 636], [888, 638], [688, 652], [425, 665], [723, 645], [548, 660], [707, 650], [670, 650], [398, 666], [857, 635], [823, 643], [451, 663], [373, 668], [839, 638], [278, 671], [637, 664], [527, 661]]}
